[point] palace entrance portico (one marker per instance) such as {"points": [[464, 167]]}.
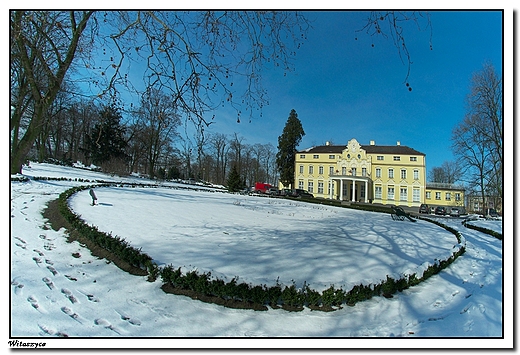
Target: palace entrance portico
{"points": [[351, 188]]}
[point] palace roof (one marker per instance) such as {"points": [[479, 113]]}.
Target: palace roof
{"points": [[370, 149]]}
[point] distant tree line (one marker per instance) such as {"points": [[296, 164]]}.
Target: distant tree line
{"points": [[147, 141]]}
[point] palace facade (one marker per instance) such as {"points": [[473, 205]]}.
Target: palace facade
{"points": [[364, 173]]}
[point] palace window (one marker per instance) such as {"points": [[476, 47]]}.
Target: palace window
{"points": [[331, 188], [457, 196], [300, 184], [378, 192], [437, 195], [403, 173], [380, 157], [397, 158], [363, 171], [343, 171], [391, 192], [320, 170], [331, 170], [310, 186], [311, 169], [416, 174], [428, 195], [354, 171], [390, 173], [378, 172], [302, 156], [332, 156], [416, 195], [448, 196], [301, 169], [403, 196], [315, 156], [413, 158], [320, 187]]}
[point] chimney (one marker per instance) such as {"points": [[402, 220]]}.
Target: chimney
{"points": [[327, 143], [372, 142], [398, 142]]}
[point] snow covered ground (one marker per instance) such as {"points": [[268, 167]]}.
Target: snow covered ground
{"points": [[59, 289]]}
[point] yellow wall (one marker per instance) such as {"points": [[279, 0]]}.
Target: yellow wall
{"points": [[307, 169], [444, 197]]}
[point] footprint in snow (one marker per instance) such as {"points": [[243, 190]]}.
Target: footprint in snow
{"points": [[17, 287], [38, 252], [48, 246], [48, 282], [71, 314], [34, 302], [69, 295], [71, 278], [21, 240], [20, 245], [51, 331], [106, 324], [52, 270], [89, 296], [126, 317]]}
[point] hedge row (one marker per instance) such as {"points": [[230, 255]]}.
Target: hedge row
{"points": [[483, 230], [278, 295], [114, 244]]}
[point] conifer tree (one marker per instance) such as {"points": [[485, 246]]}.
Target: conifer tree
{"points": [[107, 138], [234, 182], [290, 139]]}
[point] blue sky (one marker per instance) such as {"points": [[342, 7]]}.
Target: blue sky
{"points": [[343, 88]]}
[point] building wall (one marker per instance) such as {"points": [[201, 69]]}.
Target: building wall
{"points": [[444, 197], [377, 172]]}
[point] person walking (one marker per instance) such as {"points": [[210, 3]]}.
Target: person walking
{"points": [[94, 197]]}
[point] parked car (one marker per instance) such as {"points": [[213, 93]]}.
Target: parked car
{"points": [[440, 211], [490, 213], [424, 208], [432, 210], [455, 212], [302, 193], [273, 191], [286, 192]]}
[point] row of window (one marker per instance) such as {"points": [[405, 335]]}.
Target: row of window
{"points": [[391, 173], [438, 196], [353, 171], [403, 193], [379, 157]]}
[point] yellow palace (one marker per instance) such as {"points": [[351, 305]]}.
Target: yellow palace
{"points": [[365, 173]]}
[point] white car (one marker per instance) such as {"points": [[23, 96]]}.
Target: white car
{"points": [[454, 212]]}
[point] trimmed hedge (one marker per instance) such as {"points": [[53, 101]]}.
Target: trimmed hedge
{"points": [[289, 297], [483, 230]]}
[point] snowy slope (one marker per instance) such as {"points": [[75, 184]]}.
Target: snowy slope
{"points": [[59, 289]]}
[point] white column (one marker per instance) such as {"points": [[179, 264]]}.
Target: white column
{"points": [[366, 191], [341, 190], [353, 191]]}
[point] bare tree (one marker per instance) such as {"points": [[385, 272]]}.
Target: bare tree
{"points": [[159, 122], [43, 47], [392, 24], [477, 140], [448, 173], [219, 145], [201, 57]]}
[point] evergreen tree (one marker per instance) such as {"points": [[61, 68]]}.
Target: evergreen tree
{"points": [[106, 140], [291, 137], [234, 182]]}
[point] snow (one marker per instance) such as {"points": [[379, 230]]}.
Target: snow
{"points": [[58, 288]]}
